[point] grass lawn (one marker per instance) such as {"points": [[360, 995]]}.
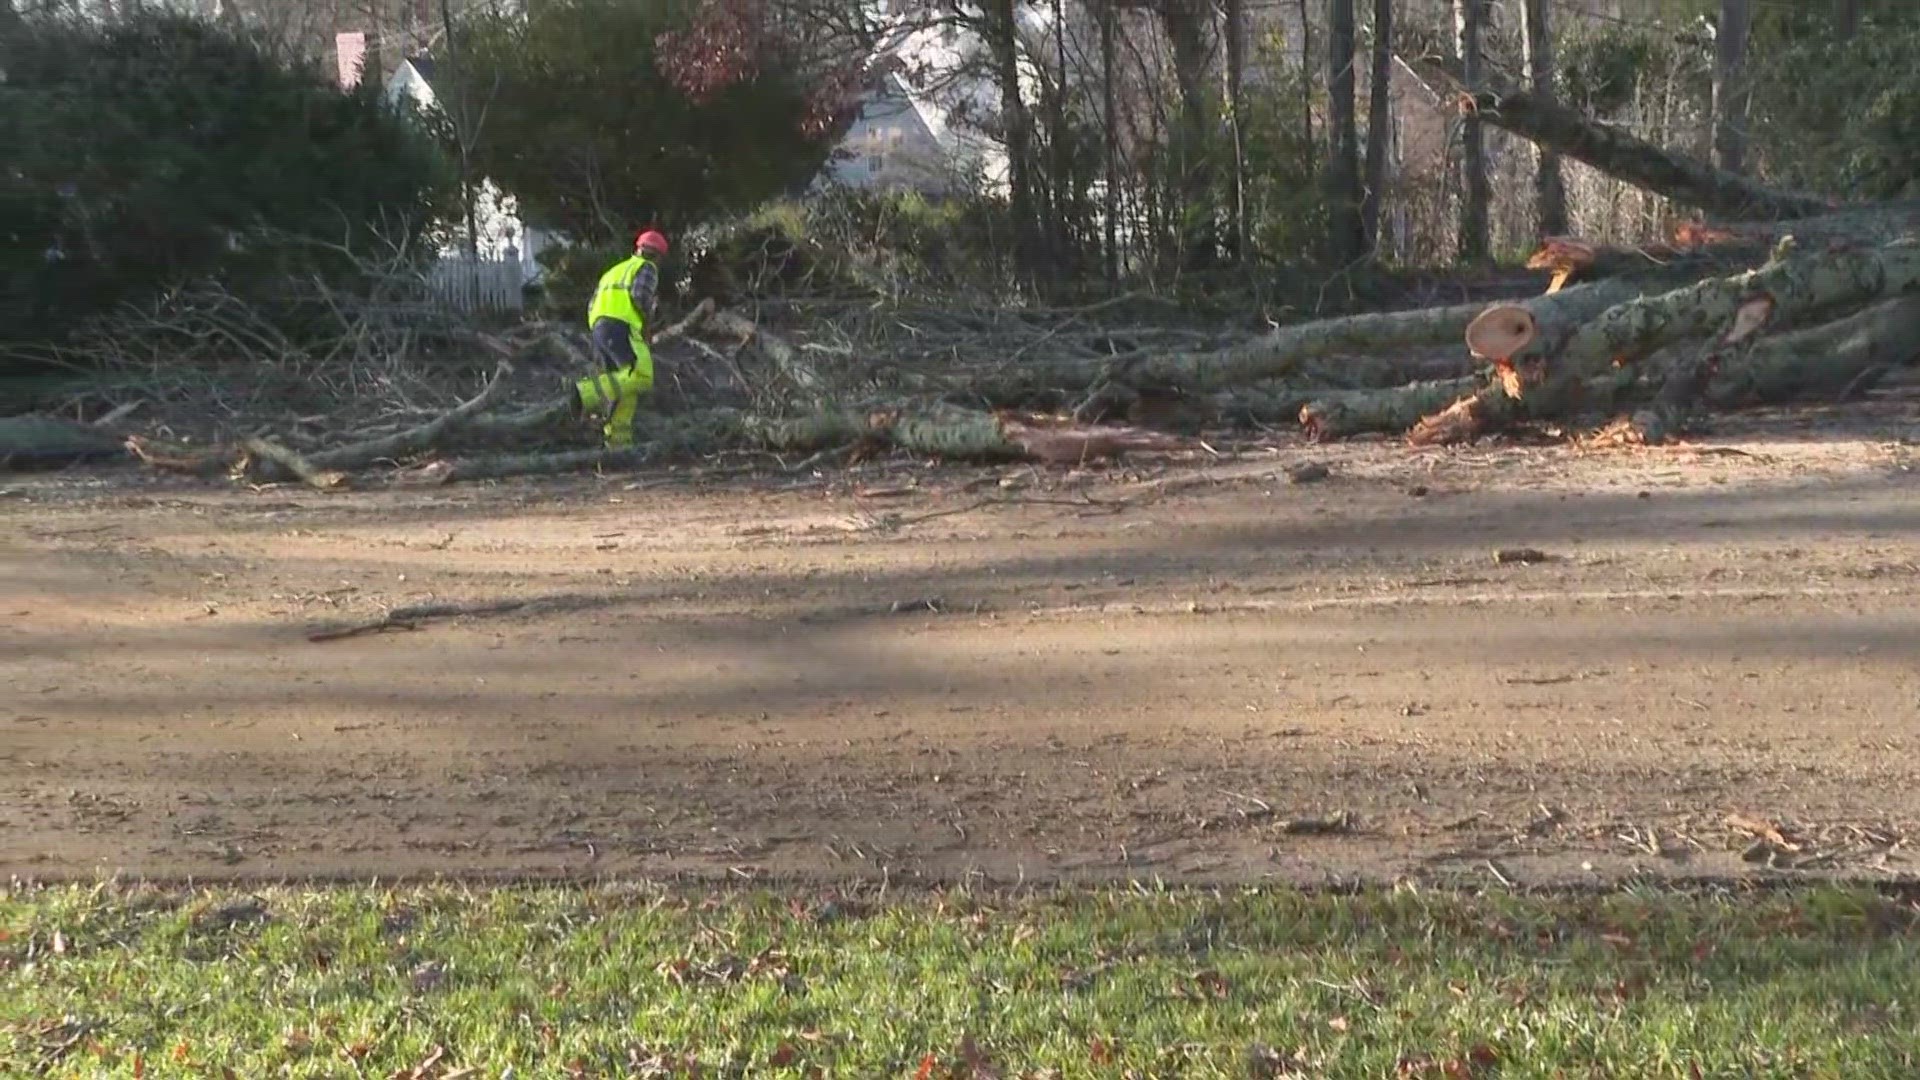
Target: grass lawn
{"points": [[446, 981]]}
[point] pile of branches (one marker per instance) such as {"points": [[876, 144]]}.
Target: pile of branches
{"points": [[1771, 296]]}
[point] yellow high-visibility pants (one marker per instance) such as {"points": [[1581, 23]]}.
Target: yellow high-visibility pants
{"points": [[617, 393]]}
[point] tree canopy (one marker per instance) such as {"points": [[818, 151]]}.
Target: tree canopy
{"points": [[602, 115], [158, 147]]}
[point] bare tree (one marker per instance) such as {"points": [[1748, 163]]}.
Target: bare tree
{"points": [[1347, 240], [1379, 122], [1549, 187], [1729, 85], [1469, 22]]}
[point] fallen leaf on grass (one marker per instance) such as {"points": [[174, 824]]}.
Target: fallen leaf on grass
{"points": [[1265, 1063], [1101, 1052], [783, 1055], [1339, 1023], [425, 1069], [1345, 821], [59, 943], [1765, 830], [1201, 985]]}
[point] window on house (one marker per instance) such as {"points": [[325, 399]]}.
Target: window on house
{"points": [[876, 161]]}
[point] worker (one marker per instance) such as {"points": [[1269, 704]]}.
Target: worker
{"points": [[620, 319]]}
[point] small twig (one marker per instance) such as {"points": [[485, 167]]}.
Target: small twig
{"points": [[120, 412]]}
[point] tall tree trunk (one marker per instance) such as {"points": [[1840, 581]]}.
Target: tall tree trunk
{"points": [[1234, 12], [1347, 240], [1186, 28], [1110, 122], [1306, 87], [1004, 48], [1060, 152], [1729, 85], [464, 132], [1379, 122], [1469, 24], [1549, 187]]}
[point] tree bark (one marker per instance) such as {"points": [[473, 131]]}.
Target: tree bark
{"points": [[1801, 286], [1824, 360], [42, 442], [1347, 238], [1345, 413], [1469, 20], [1549, 186], [1110, 122], [1003, 47], [1846, 19], [1306, 86], [1612, 150], [1730, 85], [949, 434], [1667, 413], [1185, 24], [1234, 13], [1379, 122]]}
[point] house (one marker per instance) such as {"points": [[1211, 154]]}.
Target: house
{"points": [[500, 234], [892, 146]]}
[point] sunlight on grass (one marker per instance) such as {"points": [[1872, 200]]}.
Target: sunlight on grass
{"points": [[444, 982]]}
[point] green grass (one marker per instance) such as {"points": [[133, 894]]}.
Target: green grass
{"points": [[603, 981]]}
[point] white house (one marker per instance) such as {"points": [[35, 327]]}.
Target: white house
{"points": [[891, 146], [501, 233]]}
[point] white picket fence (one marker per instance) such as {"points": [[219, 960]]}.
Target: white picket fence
{"points": [[477, 286]]}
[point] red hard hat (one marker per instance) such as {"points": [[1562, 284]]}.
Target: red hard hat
{"points": [[653, 240]]}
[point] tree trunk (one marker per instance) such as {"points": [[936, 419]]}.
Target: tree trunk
{"points": [[1846, 19], [1549, 187], [1610, 149], [1469, 21], [1004, 48], [1185, 24], [1306, 87], [1730, 85], [1346, 413], [1379, 122], [1552, 348], [1110, 122], [1236, 35], [1347, 239], [1687, 380], [1823, 360], [42, 442]]}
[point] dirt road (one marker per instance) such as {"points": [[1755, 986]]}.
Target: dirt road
{"points": [[993, 673]]}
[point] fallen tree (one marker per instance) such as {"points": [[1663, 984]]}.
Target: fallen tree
{"points": [[1610, 149], [1548, 360]]}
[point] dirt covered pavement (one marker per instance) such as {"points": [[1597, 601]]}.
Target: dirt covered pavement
{"points": [[1194, 674]]}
